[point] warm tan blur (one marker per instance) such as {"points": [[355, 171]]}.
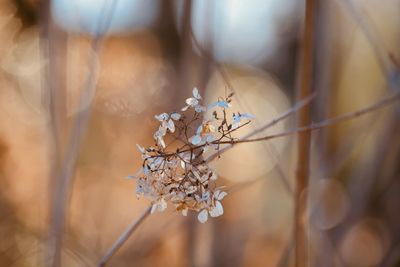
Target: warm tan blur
{"points": [[354, 190]]}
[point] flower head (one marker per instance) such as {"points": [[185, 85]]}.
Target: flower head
{"points": [[181, 176]]}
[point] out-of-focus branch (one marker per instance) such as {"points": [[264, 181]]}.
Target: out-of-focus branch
{"points": [[372, 37], [124, 237], [67, 166]]}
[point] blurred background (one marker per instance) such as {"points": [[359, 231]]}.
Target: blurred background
{"points": [[110, 66]]}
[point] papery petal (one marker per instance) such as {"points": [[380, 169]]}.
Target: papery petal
{"points": [[205, 196], [203, 216], [199, 130], [192, 102], [161, 142], [220, 195], [162, 205], [162, 130], [185, 212], [196, 139], [176, 116], [236, 118], [210, 138], [196, 93], [161, 117], [212, 128], [235, 125], [185, 108], [171, 126], [199, 108], [221, 104], [218, 210]]}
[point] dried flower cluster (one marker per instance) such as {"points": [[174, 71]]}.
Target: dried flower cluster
{"points": [[177, 172]]}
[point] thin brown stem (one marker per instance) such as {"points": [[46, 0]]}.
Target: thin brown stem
{"points": [[124, 237], [325, 123], [304, 140]]}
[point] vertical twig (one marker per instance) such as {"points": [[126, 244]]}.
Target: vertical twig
{"points": [[67, 165], [303, 161]]}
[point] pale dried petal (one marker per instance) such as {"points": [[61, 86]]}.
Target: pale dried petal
{"points": [[162, 205], [199, 108], [171, 126], [146, 170], [203, 216], [219, 195], [235, 125], [161, 142], [196, 93], [212, 128], [210, 138], [176, 116], [205, 196], [218, 210], [221, 104], [236, 118], [185, 212], [196, 139], [199, 130], [162, 117], [192, 101]]}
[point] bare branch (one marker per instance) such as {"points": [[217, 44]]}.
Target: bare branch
{"points": [[124, 237], [348, 116]]}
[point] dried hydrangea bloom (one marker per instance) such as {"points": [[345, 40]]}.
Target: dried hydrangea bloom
{"points": [[182, 177]]}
